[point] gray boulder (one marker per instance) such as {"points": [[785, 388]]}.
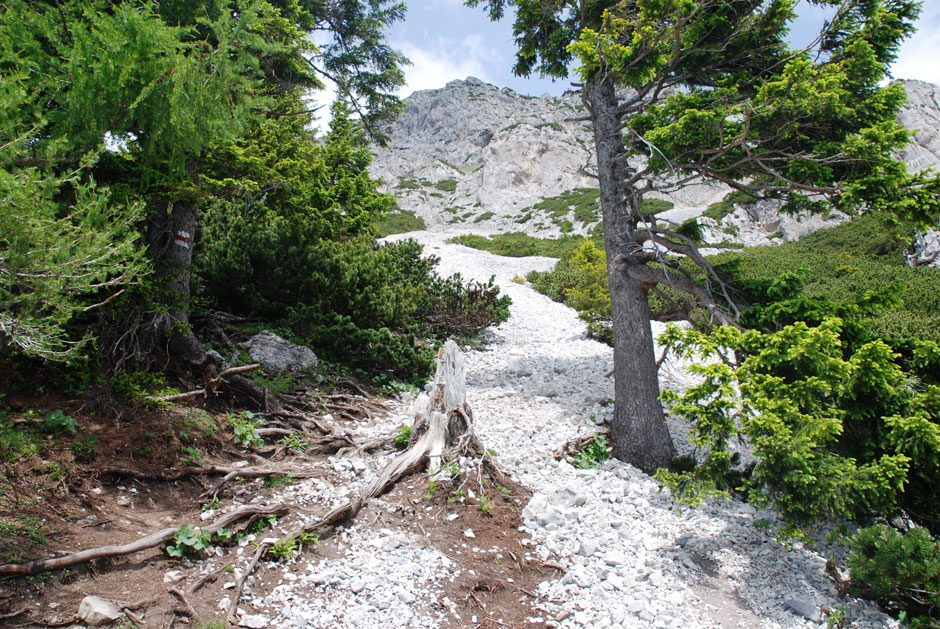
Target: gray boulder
{"points": [[274, 352], [96, 611]]}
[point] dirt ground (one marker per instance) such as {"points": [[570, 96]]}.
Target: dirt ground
{"points": [[127, 469]]}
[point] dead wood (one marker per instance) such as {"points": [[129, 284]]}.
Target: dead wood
{"points": [[249, 472], [570, 450], [207, 578], [13, 614], [154, 539]]}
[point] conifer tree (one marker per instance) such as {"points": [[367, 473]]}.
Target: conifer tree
{"points": [[709, 89]]}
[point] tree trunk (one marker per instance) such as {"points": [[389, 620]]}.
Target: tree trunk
{"points": [[170, 234], [638, 429]]}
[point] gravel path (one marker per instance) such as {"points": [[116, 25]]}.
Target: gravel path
{"points": [[633, 558]]}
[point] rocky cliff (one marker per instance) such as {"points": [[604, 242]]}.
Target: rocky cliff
{"points": [[471, 155]]}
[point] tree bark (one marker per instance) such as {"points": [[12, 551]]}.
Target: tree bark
{"points": [[171, 232], [639, 434]]}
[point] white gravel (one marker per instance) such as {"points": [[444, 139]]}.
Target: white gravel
{"points": [[633, 558]]}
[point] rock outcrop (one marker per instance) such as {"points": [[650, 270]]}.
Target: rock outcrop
{"points": [[473, 156]]}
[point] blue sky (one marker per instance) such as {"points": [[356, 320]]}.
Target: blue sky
{"points": [[446, 40]]}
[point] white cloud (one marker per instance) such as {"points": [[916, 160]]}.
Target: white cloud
{"points": [[436, 62], [918, 55]]}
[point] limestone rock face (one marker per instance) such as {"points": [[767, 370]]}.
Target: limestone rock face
{"points": [[473, 157], [922, 114]]}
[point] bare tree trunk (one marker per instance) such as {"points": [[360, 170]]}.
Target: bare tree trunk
{"points": [[171, 232], [638, 429]]}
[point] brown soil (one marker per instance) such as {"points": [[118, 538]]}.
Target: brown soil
{"points": [[64, 492]]}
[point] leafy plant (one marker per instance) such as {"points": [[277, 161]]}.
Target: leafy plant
{"points": [[432, 488], [278, 480], [402, 437], [191, 456], [189, 541], [295, 443], [593, 453], [245, 427], [286, 548], [58, 423]]}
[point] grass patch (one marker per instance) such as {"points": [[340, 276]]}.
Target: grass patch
{"points": [[446, 185], [724, 207], [411, 183], [399, 222], [519, 244], [655, 206], [583, 201], [484, 216]]}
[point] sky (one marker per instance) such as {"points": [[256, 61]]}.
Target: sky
{"points": [[445, 41]]}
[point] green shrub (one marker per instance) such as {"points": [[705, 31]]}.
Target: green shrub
{"points": [[582, 201], [589, 294], [453, 307], [484, 216], [655, 206], [402, 436], [840, 425], [446, 185], [724, 207], [400, 222], [901, 571]]}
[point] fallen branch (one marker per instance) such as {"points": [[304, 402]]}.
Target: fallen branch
{"points": [[154, 539], [176, 396]]}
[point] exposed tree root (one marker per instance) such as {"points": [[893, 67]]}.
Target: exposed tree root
{"points": [[209, 387], [186, 609], [256, 473], [443, 422], [154, 539]]}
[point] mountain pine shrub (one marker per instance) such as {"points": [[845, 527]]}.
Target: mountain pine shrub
{"points": [[899, 570]]}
